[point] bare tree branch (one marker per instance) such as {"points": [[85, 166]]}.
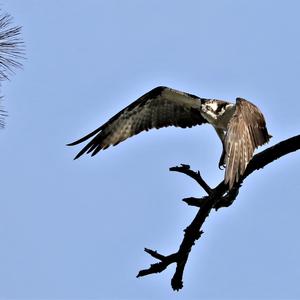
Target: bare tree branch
{"points": [[185, 169], [216, 198]]}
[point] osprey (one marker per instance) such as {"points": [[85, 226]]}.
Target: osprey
{"points": [[241, 127]]}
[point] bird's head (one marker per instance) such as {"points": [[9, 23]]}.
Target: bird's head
{"points": [[215, 108]]}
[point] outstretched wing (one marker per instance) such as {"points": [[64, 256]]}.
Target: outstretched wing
{"points": [[161, 107], [246, 131]]}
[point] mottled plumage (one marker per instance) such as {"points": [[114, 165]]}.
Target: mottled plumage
{"points": [[245, 131], [241, 127]]}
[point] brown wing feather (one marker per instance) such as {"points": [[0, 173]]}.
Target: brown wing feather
{"points": [[161, 107], [246, 131]]}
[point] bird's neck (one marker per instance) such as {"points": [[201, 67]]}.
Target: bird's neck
{"points": [[218, 113]]}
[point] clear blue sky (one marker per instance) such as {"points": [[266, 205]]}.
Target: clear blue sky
{"points": [[77, 229]]}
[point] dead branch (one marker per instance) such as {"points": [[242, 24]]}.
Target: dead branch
{"points": [[216, 198]]}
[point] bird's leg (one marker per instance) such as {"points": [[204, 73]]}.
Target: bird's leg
{"points": [[222, 164], [221, 135]]}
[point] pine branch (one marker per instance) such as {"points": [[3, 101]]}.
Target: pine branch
{"points": [[11, 53]]}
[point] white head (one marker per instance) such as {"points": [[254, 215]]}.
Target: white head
{"points": [[215, 108]]}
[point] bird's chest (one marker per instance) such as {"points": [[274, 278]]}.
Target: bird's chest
{"points": [[222, 120]]}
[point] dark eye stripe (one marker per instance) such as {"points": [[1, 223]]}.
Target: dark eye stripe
{"points": [[220, 107]]}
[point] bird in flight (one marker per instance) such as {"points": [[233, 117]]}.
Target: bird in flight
{"points": [[241, 127]]}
